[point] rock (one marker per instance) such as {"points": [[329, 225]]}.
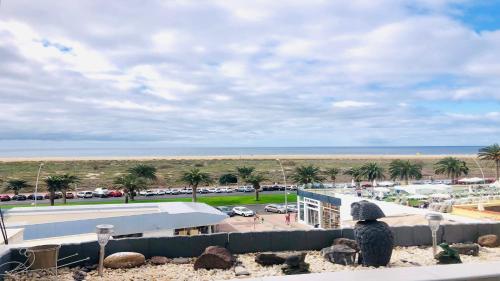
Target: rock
{"points": [[339, 254], [411, 262], [215, 257], [490, 241], [79, 275], [295, 264], [159, 260], [89, 267], [348, 242], [471, 249], [268, 258], [124, 260], [241, 271], [180, 261]]}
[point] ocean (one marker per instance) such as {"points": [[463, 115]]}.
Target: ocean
{"points": [[221, 151]]}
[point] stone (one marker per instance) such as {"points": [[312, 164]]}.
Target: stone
{"points": [[159, 260], [241, 271], [348, 242], [471, 249], [489, 240], [366, 211], [180, 261], [79, 275], [339, 254], [215, 257], [124, 260], [447, 255], [268, 258], [295, 264]]}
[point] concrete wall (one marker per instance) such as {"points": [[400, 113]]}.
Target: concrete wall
{"points": [[237, 243]]}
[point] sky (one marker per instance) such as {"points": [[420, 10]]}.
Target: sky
{"points": [[249, 73]]}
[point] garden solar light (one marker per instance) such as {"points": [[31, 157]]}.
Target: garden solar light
{"points": [[104, 232], [434, 221]]}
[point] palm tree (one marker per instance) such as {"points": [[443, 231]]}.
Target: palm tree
{"points": [[147, 172], [255, 181], [245, 172], [307, 175], [452, 167], [333, 173], [405, 170], [130, 184], [194, 177], [54, 183], [356, 174], [17, 185], [67, 180], [491, 152], [372, 171]]}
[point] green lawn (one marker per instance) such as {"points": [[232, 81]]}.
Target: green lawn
{"points": [[212, 201]]}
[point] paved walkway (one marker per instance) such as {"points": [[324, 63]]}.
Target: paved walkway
{"points": [[270, 222]]}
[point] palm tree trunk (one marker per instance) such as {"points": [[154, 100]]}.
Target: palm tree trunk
{"points": [[194, 193], [52, 195], [256, 194], [126, 197], [64, 196], [16, 192]]}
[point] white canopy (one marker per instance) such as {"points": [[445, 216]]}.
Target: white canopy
{"points": [[441, 196], [386, 183], [471, 180], [417, 196], [425, 189]]}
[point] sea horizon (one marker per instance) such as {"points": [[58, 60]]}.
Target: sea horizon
{"points": [[232, 151]]}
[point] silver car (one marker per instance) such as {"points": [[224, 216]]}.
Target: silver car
{"points": [[275, 208]]}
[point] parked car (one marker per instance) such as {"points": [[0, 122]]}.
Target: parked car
{"points": [[38, 197], [19, 197], [159, 192], [115, 193], [225, 190], [85, 194], [248, 189], [292, 208], [189, 190], [202, 190], [175, 191], [70, 195], [240, 189], [226, 210], [4, 197], [57, 195], [101, 192], [168, 191], [275, 208], [218, 190], [243, 211], [148, 192]]}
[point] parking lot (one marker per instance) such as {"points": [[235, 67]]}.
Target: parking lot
{"points": [[139, 197]]}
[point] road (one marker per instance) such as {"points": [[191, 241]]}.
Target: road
{"points": [[96, 199]]}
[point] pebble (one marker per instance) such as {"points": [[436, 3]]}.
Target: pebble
{"points": [[401, 257]]}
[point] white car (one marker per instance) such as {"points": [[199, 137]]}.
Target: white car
{"points": [[218, 190], [212, 190], [160, 192], [175, 191], [101, 192], [248, 189], [85, 194], [143, 192], [243, 211], [225, 190]]}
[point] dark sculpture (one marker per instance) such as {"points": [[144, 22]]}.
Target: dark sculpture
{"points": [[374, 238], [448, 255]]}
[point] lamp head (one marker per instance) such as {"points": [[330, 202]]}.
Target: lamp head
{"points": [[104, 232], [434, 221]]}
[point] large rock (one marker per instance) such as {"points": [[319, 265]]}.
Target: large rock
{"points": [[295, 264], [268, 258], [490, 241], [124, 260], [348, 242], [471, 249], [215, 257], [339, 254]]}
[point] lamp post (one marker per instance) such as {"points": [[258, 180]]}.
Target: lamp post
{"points": [[434, 221], [284, 180], [104, 232], [36, 183]]}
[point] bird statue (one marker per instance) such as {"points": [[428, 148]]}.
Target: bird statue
{"points": [[447, 255]]}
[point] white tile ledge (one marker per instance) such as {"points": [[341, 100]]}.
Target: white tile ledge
{"points": [[483, 271]]}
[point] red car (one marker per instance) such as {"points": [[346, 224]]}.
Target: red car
{"points": [[70, 195], [4, 197], [115, 193]]}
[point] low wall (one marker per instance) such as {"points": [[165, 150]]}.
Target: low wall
{"points": [[246, 242]]}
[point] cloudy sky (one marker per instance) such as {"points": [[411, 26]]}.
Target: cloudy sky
{"points": [[250, 73]]}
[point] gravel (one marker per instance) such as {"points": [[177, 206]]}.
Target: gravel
{"points": [[401, 257]]}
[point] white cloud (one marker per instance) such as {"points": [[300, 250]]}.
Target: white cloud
{"points": [[351, 104]]}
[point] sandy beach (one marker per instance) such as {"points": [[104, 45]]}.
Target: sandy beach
{"points": [[237, 157]]}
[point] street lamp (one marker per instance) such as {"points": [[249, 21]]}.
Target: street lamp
{"points": [[434, 221], [284, 180], [36, 184], [104, 232]]}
